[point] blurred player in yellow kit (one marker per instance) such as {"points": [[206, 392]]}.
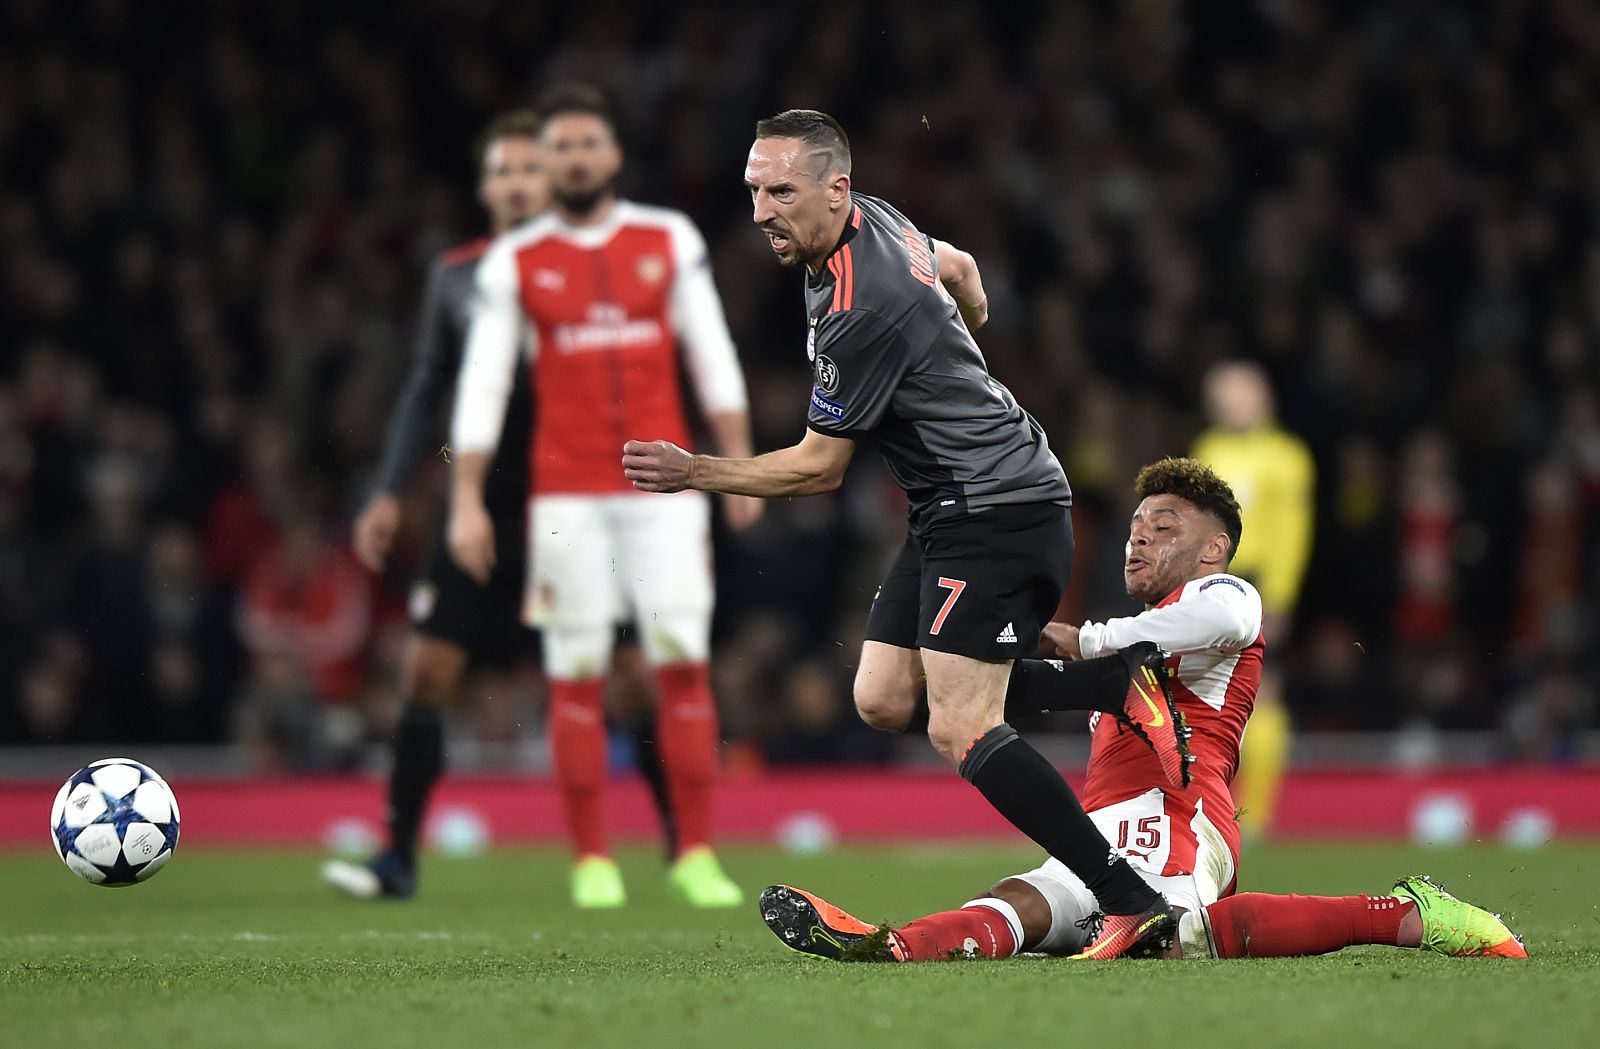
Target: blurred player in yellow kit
{"points": [[1274, 478]]}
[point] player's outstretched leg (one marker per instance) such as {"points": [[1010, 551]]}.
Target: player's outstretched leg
{"points": [[1455, 927], [1262, 925], [1150, 711], [1130, 684], [812, 926]]}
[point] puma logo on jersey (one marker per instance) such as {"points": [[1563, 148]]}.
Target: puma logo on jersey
{"points": [[1008, 636]]}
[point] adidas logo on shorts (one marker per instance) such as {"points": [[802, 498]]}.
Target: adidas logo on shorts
{"points": [[1008, 636]]}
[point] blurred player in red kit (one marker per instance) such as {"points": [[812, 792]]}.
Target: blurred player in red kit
{"points": [[610, 300], [1184, 842]]}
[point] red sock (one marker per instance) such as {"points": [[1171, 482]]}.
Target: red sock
{"points": [[1258, 925], [578, 742], [687, 735], [971, 932]]}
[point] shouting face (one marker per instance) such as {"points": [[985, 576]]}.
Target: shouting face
{"points": [[795, 201]]}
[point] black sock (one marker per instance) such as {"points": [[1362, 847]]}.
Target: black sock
{"points": [[1027, 790], [1040, 685], [649, 757], [418, 761]]}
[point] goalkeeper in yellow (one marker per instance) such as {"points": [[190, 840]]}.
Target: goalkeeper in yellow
{"points": [[1272, 474]]}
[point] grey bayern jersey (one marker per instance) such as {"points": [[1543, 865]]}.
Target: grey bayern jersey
{"points": [[437, 345], [891, 360]]}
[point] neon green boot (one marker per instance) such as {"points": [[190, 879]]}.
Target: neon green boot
{"points": [[1455, 927]]}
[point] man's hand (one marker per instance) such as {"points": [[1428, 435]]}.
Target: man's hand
{"points": [[472, 538], [1063, 639], [741, 511], [658, 466], [375, 531]]}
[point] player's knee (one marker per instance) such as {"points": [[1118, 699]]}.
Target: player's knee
{"points": [[676, 636], [433, 672], [951, 732], [882, 706], [1033, 910], [578, 653]]}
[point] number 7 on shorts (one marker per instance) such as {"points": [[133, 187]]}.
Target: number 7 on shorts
{"points": [[955, 586]]}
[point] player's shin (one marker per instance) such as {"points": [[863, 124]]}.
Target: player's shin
{"points": [[418, 762], [1259, 925], [687, 734], [578, 743], [1027, 790]]}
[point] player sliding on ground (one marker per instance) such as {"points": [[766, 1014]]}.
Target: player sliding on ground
{"points": [[1183, 842]]}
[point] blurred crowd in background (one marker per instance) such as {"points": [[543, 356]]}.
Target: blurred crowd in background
{"points": [[214, 223]]}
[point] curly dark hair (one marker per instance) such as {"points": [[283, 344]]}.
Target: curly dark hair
{"points": [[1194, 481]]}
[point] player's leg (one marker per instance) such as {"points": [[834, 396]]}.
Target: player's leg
{"points": [[434, 667], [890, 686], [1048, 910], [1419, 914], [664, 555], [990, 927], [446, 609], [633, 691], [571, 597]]}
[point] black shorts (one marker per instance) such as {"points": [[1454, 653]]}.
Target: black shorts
{"points": [[486, 620], [977, 584]]}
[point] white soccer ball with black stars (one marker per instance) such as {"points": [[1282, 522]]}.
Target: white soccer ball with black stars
{"points": [[115, 822]]}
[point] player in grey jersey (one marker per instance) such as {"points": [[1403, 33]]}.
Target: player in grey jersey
{"points": [[989, 545]]}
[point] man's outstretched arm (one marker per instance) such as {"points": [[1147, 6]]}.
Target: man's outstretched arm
{"points": [[815, 465]]}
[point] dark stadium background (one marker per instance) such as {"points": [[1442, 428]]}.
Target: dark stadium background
{"points": [[214, 218]]}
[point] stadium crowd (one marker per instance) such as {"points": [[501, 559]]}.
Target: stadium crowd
{"points": [[213, 226]]}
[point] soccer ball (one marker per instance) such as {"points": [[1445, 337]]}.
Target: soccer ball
{"points": [[115, 822]]}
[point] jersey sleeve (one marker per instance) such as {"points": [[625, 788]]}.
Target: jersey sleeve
{"points": [[432, 371], [861, 359], [488, 364], [702, 329], [1216, 612]]}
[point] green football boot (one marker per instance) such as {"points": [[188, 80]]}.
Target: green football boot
{"points": [[698, 878], [597, 884], [1455, 927]]}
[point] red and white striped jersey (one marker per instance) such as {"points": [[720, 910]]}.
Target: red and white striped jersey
{"points": [[602, 312], [1212, 627]]}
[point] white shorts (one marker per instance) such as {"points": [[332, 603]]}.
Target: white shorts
{"points": [[607, 559], [1143, 833]]}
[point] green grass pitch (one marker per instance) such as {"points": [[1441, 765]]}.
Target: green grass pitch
{"points": [[248, 949]]}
